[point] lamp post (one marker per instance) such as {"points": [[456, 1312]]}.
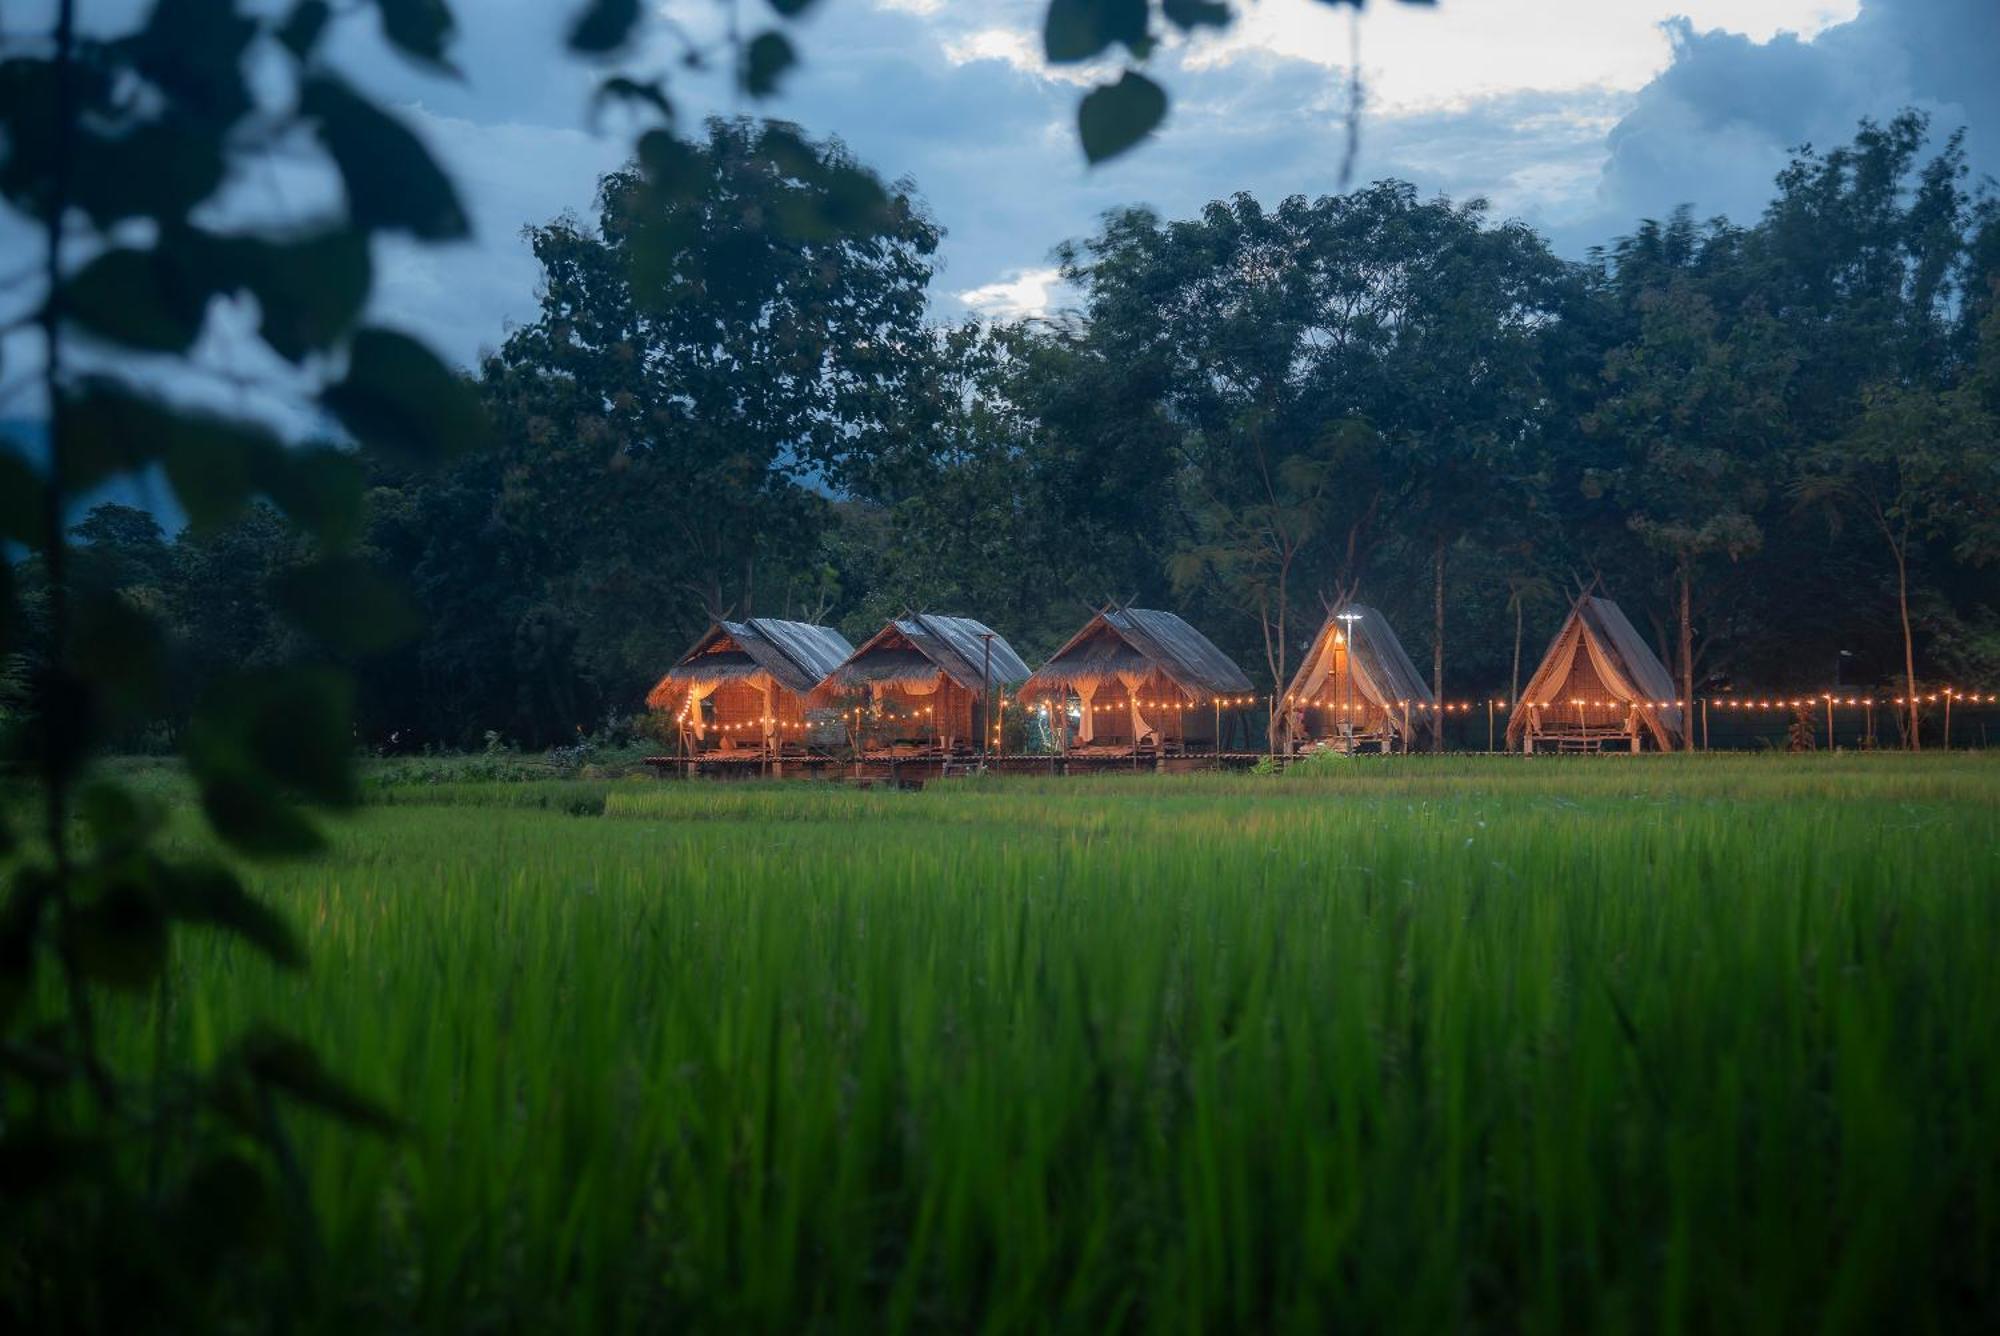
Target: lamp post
{"points": [[1347, 620]]}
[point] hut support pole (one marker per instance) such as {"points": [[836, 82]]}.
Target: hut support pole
{"points": [[1947, 720], [1489, 726], [1704, 723], [1829, 723]]}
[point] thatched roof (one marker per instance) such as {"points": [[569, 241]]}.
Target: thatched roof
{"points": [[1623, 662], [918, 648], [1140, 641], [796, 656], [1381, 671]]}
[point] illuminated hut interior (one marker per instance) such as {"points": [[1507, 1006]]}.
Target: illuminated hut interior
{"points": [[920, 683], [743, 687], [1355, 688], [1599, 686], [1136, 680]]}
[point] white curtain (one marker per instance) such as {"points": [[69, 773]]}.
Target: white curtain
{"points": [[1132, 682], [1086, 728], [697, 693]]}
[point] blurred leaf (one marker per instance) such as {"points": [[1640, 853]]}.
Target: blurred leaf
{"points": [[317, 486], [309, 290], [288, 727], [27, 127], [35, 1159], [1190, 14], [209, 893], [393, 183], [243, 810], [303, 27], [20, 927], [21, 500], [119, 821], [838, 198], [290, 1066], [42, 1065], [108, 429], [769, 55], [55, 738], [1114, 117], [119, 938], [348, 604], [674, 168], [224, 1207], [159, 170], [792, 8], [117, 645], [194, 51], [215, 465], [399, 398], [647, 92], [420, 29], [138, 299], [263, 736], [605, 26], [1075, 30]]}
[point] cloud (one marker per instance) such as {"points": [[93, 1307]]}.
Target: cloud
{"points": [[1715, 126], [1023, 293], [1579, 116]]}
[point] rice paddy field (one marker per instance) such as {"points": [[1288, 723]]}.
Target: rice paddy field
{"points": [[1654, 1044]]}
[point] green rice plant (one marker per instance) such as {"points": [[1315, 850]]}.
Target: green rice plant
{"points": [[1423, 1043]]}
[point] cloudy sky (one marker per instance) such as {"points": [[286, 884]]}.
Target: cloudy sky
{"points": [[1580, 116]]}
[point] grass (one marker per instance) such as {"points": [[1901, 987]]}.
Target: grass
{"points": [[1676, 1044]]}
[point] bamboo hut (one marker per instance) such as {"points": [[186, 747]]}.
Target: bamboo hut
{"points": [[1599, 686], [743, 688], [1133, 680], [919, 685], [1355, 688]]}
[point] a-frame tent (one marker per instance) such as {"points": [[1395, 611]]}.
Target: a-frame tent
{"points": [[744, 684], [1140, 680], [1599, 685], [920, 682], [1355, 687]]}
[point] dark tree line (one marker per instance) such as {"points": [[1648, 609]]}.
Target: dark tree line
{"points": [[1772, 443]]}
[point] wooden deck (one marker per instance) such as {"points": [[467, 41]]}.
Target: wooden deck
{"points": [[919, 768]]}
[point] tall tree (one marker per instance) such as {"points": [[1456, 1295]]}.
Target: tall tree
{"points": [[1696, 401], [1317, 364], [742, 329]]}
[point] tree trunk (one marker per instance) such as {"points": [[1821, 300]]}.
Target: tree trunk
{"points": [[1687, 652], [1514, 692], [1909, 644], [1437, 645], [1279, 659]]}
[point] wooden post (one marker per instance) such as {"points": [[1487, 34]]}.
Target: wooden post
{"points": [[985, 700], [1868, 712], [1489, 725], [1704, 723], [1947, 718], [1406, 728], [1829, 723]]}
